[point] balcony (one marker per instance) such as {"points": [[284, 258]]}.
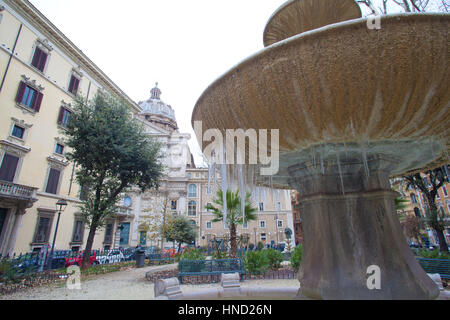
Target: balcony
{"points": [[124, 212], [17, 192]]}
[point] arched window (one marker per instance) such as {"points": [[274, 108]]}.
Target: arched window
{"points": [[192, 208], [192, 191], [413, 198], [192, 222]]}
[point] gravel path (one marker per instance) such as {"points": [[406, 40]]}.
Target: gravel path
{"points": [[124, 285]]}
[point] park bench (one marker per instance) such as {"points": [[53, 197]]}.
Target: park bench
{"points": [[210, 268], [158, 257], [441, 266]]}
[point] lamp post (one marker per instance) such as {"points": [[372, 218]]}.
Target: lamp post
{"points": [[60, 207]]}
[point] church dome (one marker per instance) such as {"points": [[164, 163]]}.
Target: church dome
{"points": [[157, 111]]}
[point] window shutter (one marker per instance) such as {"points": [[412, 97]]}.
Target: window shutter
{"points": [[52, 182], [8, 168], [42, 61], [20, 93], [36, 57], [61, 115], [37, 101]]}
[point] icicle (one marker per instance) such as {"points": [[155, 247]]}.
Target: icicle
{"points": [[224, 187], [340, 171], [214, 179], [364, 156], [322, 167], [242, 190]]}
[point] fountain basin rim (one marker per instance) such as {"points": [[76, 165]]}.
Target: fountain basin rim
{"points": [[284, 7], [307, 34]]}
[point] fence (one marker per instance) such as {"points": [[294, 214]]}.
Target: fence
{"points": [[22, 265]]}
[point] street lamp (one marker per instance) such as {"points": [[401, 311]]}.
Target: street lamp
{"points": [[60, 207]]}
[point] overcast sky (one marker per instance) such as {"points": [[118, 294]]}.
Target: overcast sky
{"points": [[183, 45]]}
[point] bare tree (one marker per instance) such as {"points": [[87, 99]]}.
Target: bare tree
{"points": [[384, 6]]}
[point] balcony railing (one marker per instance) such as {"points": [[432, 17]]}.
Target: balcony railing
{"points": [[122, 211], [17, 191]]}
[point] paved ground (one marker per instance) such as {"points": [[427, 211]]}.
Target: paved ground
{"points": [[124, 285]]}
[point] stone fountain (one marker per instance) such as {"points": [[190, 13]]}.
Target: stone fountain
{"points": [[354, 106]]}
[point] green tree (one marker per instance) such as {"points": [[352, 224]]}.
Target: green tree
{"points": [[234, 214], [179, 229], [112, 152], [429, 185]]}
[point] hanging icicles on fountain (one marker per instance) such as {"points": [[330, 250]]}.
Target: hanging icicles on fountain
{"points": [[242, 191], [340, 171], [223, 172]]}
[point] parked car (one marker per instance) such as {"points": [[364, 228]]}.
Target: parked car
{"points": [[151, 250], [77, 260], [27, 263], [110, 256], [129, 254]]}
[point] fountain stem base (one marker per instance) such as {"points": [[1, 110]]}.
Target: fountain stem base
{"points": [[350, 224]]}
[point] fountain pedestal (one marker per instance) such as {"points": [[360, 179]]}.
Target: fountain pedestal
{"points": [[349, 224]]}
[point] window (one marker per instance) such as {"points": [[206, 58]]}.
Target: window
{"points": [[280, 223], [208, 225], [192, 191], [442, 211], [8, 167], [413, 198], [29, 97], [43, 230], [78, 231], [207, 207], [438, 196], [263, 237], [127, 201], [208, 189], [261, 206], [192, 222], [417, 212], [18, 132], [109, 233], [73, 85], [192, 208], [444, 189], [59, 149], [53, 181], [39, 59], [262, 224], [125, 234], [173, 205], [84, 192], [64, 117]]}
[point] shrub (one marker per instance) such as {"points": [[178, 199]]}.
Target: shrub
{"points": [[256, 262], [296, 257], [220, 255], [274, 258], [260, 246], [434, 254], [251, 246], [192, 254]]}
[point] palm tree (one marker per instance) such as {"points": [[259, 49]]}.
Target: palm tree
{"points": [[234, 214]]}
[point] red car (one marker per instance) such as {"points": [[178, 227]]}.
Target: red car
{"points": [[79, 259]]}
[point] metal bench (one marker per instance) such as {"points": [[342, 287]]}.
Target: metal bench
{"points": [[441, 266], [157, 257], [209, 267]]}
